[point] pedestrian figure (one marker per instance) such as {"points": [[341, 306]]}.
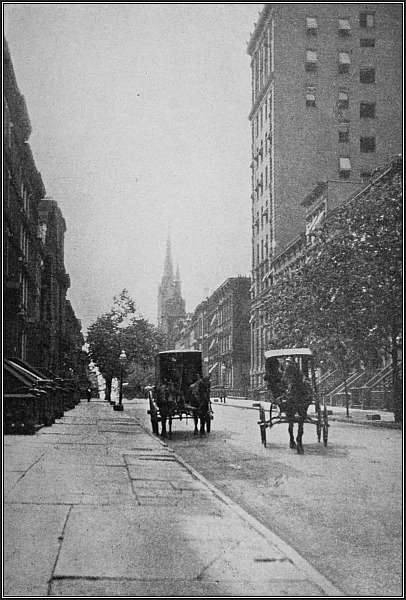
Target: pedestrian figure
{"points": [[88, 394]]}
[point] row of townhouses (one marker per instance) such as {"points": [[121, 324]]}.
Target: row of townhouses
{"points": [[40, 326], [326, 112]]}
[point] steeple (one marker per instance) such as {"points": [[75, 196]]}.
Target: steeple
{"points": [[177, 280], [171, 305], [168, 268]]}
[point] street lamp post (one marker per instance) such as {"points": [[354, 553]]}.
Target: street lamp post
{"points": [[122, 359]]}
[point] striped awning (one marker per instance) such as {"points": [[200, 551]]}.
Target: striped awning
{"points": [[345, 164]]}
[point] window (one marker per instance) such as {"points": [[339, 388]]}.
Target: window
{"points": [[310, 97], [344, 133], [367, 75], [311, 60], [344, 62], [344, 27], [367, 144], [365, 175], [344, 168], [311, 25], [367, 20], [367, 110], [343, 101], [367, 43]]}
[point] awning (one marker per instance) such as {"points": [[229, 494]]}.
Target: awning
{"points": [[288, 352], [213, 367], [344, 58], [344, 24], [16, 375], [311, 23], [311, 56], [345, 164]]}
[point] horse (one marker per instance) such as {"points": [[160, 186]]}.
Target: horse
{"points": [[297, 399], [200, 400], [293, 395], [166, 400]]}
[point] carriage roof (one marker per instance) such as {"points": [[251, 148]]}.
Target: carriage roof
{"points": [[288, 352]]}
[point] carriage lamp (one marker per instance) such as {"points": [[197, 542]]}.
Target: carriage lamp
{"points": [[122, 358]]}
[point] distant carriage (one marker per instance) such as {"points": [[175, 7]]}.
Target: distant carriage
{"points": [[290, 378], [180, 391]]}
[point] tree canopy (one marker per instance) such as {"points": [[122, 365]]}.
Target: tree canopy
{"points": [[123, 328], [345, 300]]}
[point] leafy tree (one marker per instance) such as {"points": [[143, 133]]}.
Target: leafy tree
{"points": [[122, 328], [346, 300]]}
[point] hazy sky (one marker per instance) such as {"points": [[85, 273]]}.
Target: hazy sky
{"points": [[140, 127]]}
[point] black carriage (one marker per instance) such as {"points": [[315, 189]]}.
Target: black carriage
{"points": [[179, 382], [275, 369]]}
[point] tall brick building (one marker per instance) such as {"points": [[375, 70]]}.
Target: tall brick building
{"points": [[171, 305], [22, 249], [54, 285], [219, 328], [40, 326], [326, 106]]}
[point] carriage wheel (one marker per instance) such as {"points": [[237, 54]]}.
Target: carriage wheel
{"points": [[273, 408], [154, 417], [325, 426], [318, 430], [262, 425], [154, 423], [319, 424]]}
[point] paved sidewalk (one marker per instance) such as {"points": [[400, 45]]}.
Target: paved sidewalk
{"points": [[96, 506]]}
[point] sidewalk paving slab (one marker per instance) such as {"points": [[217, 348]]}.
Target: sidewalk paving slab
{"points": [[112, 511]]}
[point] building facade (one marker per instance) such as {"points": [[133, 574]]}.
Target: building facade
{"points": [[39, 323], [54, 285], [228, 335], [219, 329], [326, 106], [171, 305], [22, 249]]}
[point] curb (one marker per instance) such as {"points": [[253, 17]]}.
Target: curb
{"points": [[351, 421], [294, 557], [381, 424]]}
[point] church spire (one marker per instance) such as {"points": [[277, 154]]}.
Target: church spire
{"points": [[177, 280], [168, 268]]}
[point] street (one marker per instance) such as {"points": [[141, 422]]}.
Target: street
{"points": [[340, 507]]}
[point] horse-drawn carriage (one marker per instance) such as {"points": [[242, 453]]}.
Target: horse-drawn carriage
{"points": [[291, 380], [180, 391]]}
